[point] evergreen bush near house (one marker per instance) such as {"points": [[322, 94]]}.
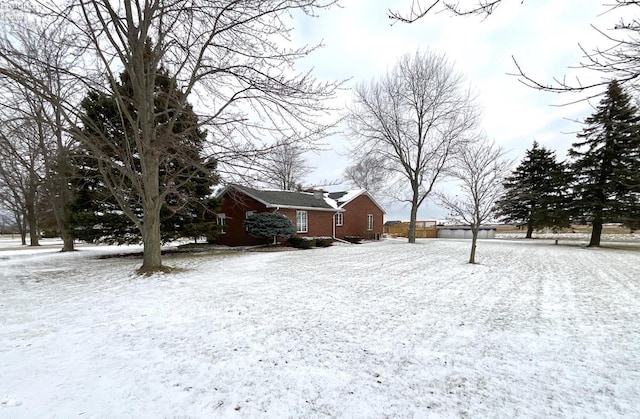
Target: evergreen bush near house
{"points": [[302, 242], [324, 241], [267, 226], [353, 239]]}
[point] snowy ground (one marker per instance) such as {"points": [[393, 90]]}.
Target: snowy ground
{"points": [[376, 330]]}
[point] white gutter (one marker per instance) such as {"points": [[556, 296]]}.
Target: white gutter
{"points": [[334, 226], [305, 208]]}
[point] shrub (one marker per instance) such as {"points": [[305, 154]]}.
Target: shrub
{"points": [[302, 242], [324, 241], [353, 239], [269, 225]]}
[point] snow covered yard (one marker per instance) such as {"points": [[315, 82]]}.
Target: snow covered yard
{"points": [[376, 330]]}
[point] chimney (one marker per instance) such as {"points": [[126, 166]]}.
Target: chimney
{"points": [[317, 193]]}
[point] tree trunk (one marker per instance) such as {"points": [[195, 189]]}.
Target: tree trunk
{"points": [[32, 222], [529, 231], [22, 228], [412, 224], [151, 239], [414, 216], [596, 232], [61, 201], [67, 242], [474, 240], [152, 254]]}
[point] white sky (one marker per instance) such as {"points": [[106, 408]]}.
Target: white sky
{"points": [[543, 35]]}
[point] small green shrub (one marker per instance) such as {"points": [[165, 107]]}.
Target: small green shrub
{"points": [[353, 239], [324, 241], [302, 242]]}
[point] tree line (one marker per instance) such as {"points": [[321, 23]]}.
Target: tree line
{"points": [[118, 119], [95, 111], [599, 184], [418, 125]]}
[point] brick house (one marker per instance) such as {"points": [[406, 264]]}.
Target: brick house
{"points": [[313, 214], [362, 217]]}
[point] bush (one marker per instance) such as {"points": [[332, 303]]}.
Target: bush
{"points": [[267, 226], [353, 239], [324, 241], [302, 242]]}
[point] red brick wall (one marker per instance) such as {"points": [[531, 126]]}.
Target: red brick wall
{"points": [[355, 219], [235, 207], [319, 223]]}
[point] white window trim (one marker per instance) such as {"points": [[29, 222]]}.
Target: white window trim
{"points": [[339, 219], [247, 215], [300, 228], [221, 220], [369, 222]]}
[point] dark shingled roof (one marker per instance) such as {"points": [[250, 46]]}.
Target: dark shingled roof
{"points": [[337, 195], [286, 198]]}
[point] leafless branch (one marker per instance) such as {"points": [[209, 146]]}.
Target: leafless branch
{"points": [[413, 120]]}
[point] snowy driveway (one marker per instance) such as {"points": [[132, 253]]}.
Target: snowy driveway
{"points": [[377, 330]]}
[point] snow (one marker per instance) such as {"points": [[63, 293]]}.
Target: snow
{"points": [[351, 195], [382, 329]]}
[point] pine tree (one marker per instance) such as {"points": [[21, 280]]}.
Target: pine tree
{"points": [[606, 163], [536, 192], [187, 178]]}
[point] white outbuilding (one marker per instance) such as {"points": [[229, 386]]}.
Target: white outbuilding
{"points": [[464, 232]]}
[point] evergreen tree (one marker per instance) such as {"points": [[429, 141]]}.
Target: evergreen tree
{"points": [[269, 225], [187, 178], [606, 163], [536, 192]]}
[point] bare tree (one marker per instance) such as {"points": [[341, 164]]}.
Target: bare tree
{"points": [[233, 56], [414, 119], [12, 195], [44, 55], [480, 168], [368, 173], [284, 167], [420, 8], [617, 61], [21, 166]]}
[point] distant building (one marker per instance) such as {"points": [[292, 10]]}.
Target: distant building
{"points": [[312, 213]]}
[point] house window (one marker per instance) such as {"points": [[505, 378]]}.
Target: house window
{"points": [[369, 222], [301, 221], [221, 221], [247, 215], [339, 219]]}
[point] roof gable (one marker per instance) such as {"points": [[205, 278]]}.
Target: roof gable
{"points": [[273, 198], [344, 197], [276, 198]]}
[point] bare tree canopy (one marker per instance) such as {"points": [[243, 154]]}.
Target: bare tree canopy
{"points": [[284, 167], [420, 8], [480, 168], [414, 120], [232, 58], [43, 49], [617, 61], [368, 173]]}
